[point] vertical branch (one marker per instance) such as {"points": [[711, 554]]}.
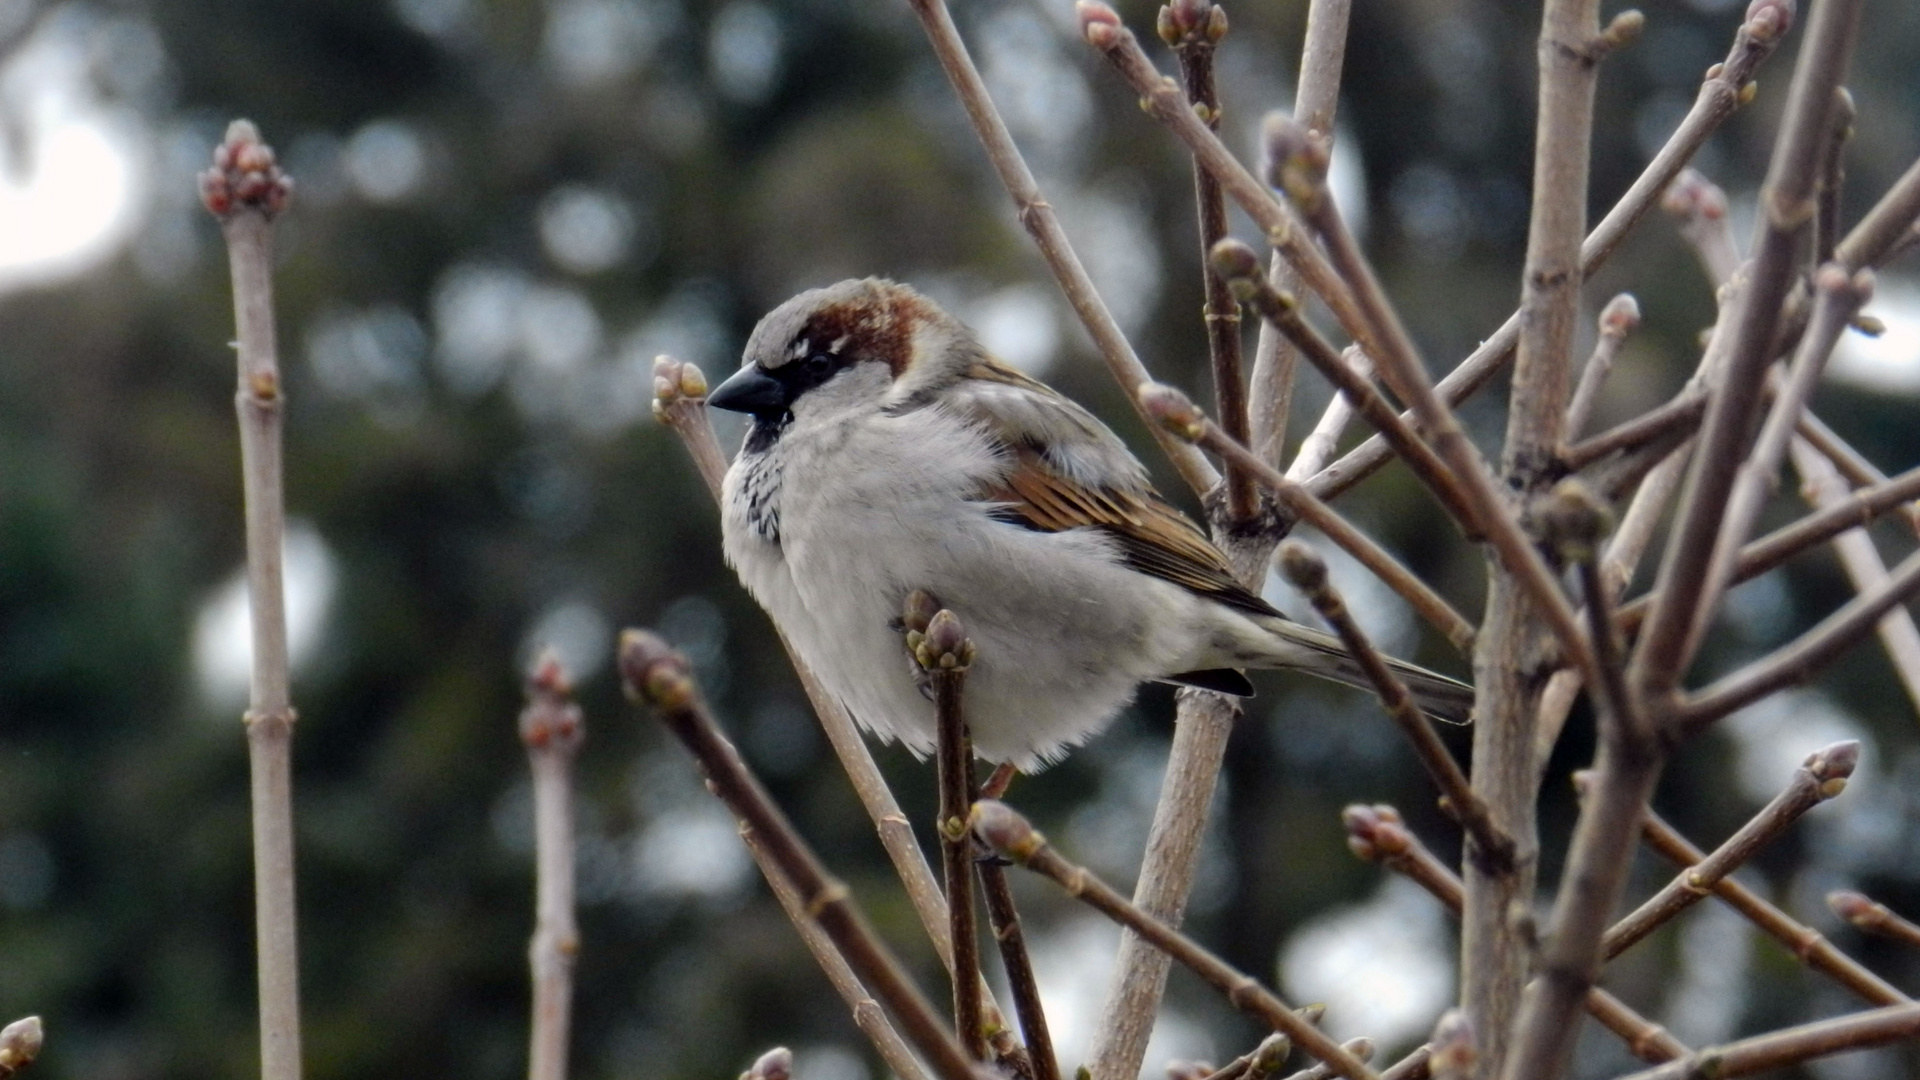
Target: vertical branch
{"points": [[1194, 28], [1322, 56], [1492, 953], [945, 654], [246, 190], [551, 729], [1005, 921]]}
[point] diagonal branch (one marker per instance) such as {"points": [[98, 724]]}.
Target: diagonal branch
{"points": [[1787, 201], [653, 673], [1037, 217], [1013, 836], [1821, 777]]}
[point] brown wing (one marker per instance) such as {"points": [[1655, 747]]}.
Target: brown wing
{"points": [[1154, 537]]}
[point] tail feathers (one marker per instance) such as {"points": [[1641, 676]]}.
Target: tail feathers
{"points": [[1440, 697]]}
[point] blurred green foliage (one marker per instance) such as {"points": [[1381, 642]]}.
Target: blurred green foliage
{"points": [[505, 208]]}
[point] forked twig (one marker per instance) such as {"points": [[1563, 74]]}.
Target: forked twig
{"points": [[1013, 836], [246, 191], [652, 672], [551, 730]]}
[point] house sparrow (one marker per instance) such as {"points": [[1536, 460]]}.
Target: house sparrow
{"points": [[889, 452]]}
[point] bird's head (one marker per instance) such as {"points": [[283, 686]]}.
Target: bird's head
{"points": [[857, 343]]}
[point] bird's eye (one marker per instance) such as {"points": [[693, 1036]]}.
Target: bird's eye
{"points": [[818, 366]]}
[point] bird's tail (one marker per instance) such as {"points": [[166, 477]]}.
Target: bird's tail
{"points": [[1317, 652]]}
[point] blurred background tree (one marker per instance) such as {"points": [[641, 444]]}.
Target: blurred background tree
{"points": [[505, 210]]}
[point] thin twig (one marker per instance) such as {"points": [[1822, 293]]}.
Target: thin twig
{"points": [[1308, 573], [246, 190], [1037, 217], [1793, 1045], [945, 654], [1195, 28], [652, 672], [1799, 659], [1177, 412], [551, 730], [1264, 1060], [1303, 177], [1676, 418], [1833, 172], [680, 403], [1821, 485], [1662, 653], [1378, 834], [1361, 1048], [1887, 225], [1728, 85], [1837, 296], [1004, 918], [1852, 464], [1850, 510], [1279, 310], [20, 1044], [1804, 942], [1323, 439], [1700, 207], [1322, 57], [1013, 836], [1864, 913], [1619, 318], [1821, 777], [867, 1014]]}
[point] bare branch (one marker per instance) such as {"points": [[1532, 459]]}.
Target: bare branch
{"points": [[652, 672], [1821, 777], [1377, 834], [551, 730], [1194, 28], [1322, 56], [1169, 407], [1037, 217], [1013, 836], [1800, 658], [1308, 573], [1728, 86], [1838, 296], [1793, 1045], [1662, 654], [1619, 318], [1237, 263], [246, 191], [1806, 943], [1821, 485], [941, 648], [1826, 231], [1005, 920], [1864, 913]]}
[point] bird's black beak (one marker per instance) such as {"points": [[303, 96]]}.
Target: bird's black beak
{"points": [[751, 390]]}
